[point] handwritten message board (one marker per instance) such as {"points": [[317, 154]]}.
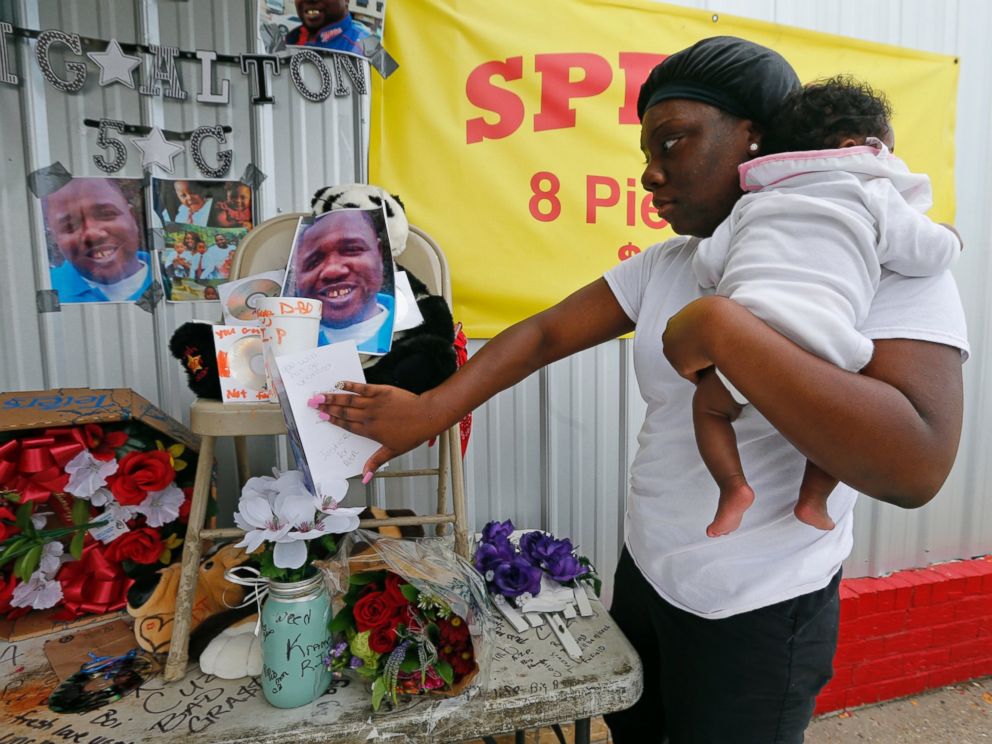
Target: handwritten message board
{"points": [[531, 682]]}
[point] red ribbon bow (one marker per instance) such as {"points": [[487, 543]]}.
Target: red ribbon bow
{"points": [[35, 466], [93, 584]]}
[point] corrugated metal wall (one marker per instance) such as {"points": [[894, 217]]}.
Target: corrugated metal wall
{"points": [[546, 453]]}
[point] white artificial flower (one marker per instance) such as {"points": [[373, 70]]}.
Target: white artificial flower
{"points": [[102, 497], [51, 558], [115, 512], [330, 493], [292, 549], [87, 474], [39, 592], [161, 507], [263, 521], [40, 519]]}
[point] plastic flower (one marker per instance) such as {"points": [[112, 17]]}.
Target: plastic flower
{"points": [[115, 512], [174, 450], [490, 555], [168, 545], [39, 592], [271, 522], [88, 475], [161, 507], [517, 576], [540, 547], [102, 497], [51, 558], [329, 494], [565, 568], [497, 530], [40, 519]]}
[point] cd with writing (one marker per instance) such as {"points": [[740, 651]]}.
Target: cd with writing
{"points": [[246, 363], [243, 297]]}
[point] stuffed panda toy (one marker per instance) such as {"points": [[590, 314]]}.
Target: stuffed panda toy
{"points": [[422, 357]]}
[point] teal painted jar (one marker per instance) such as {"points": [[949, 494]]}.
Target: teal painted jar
{"points": [[295, 640]]}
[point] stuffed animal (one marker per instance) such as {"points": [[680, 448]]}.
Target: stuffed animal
{"points": [[151, 601], [420, 358], [193, 345]]}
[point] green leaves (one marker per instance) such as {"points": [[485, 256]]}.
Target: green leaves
{"points": [[80, 511], [76, 546], [27, 563], [411, 593], [378, 692], [447, 673]]}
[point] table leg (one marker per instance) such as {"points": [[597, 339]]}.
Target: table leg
{"points": [[582, 731], [519, 737]]}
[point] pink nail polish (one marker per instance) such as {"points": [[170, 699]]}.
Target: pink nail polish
{"points": [[323, 416], [367, 477]]}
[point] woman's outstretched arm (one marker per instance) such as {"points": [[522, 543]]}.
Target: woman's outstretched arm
{"points": [[400, 420], [891, 432]]}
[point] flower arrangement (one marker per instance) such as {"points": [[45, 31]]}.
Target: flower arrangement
{"points": [[404, 640], [515, 570], [286, 526], [84, 510]]}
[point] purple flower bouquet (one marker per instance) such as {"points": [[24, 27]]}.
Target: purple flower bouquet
{"points": [[514, 570]]}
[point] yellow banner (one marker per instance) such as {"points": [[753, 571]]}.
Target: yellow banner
{"points": [[510, 132]]}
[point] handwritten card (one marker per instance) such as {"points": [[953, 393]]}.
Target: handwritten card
{"points": [[329, 452]]}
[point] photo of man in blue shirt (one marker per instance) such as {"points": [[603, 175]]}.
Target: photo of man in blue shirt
{"points": [[98, 236]]}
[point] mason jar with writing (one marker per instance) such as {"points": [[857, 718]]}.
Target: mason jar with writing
{"points": [[295, 640]]}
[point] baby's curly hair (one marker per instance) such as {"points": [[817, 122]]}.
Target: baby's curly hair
{"points": [[822, 114]]}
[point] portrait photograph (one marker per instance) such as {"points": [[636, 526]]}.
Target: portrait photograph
{"points": [[95, 237], [334, 25], [196, 260], [342, 258], [201, 202]]}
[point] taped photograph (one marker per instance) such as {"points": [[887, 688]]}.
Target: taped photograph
{"points": [[335, 25], [196, 260], [95, 235], [342, 258], [204, 203]]}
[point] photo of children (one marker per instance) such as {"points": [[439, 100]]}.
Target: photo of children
{"points": [[95, 230], [202, 222], [335, 25], [197, 259], [342, 258]]}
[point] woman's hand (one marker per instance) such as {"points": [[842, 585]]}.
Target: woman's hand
{"points": [[396, 419]]}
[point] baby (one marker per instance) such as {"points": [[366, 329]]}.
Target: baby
{"points": [[803, 250], [235, 209]]}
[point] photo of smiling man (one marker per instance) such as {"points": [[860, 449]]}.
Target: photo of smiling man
{"points": [[342, 258], [95, 228]]}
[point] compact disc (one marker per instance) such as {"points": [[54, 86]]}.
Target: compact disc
{"points": [[246, 362], [243, 298]]}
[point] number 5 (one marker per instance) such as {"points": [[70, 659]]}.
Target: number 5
{"points": [[111, 143]]}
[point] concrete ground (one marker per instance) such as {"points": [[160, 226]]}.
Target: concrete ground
{"points": [[959, 714]]}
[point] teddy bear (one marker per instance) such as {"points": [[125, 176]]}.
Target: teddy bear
{"points": [[419, 359]]}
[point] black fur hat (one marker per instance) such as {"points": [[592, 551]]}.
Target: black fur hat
{"points": [[193, 345]]}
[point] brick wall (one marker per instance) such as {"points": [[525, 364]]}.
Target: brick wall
{"points": [[911, 631]]}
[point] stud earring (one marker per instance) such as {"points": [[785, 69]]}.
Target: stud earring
{"points": [[753, 147]]}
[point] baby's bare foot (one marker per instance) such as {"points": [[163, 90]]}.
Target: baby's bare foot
{"points": [[734, 501], [814, 513]]}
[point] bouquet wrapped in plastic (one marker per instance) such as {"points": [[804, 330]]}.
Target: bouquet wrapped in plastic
{"points": [[410, 617]]}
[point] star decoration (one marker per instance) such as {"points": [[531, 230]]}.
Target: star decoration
{"points": [[195, 363], [115, 66], [157, 150]]}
